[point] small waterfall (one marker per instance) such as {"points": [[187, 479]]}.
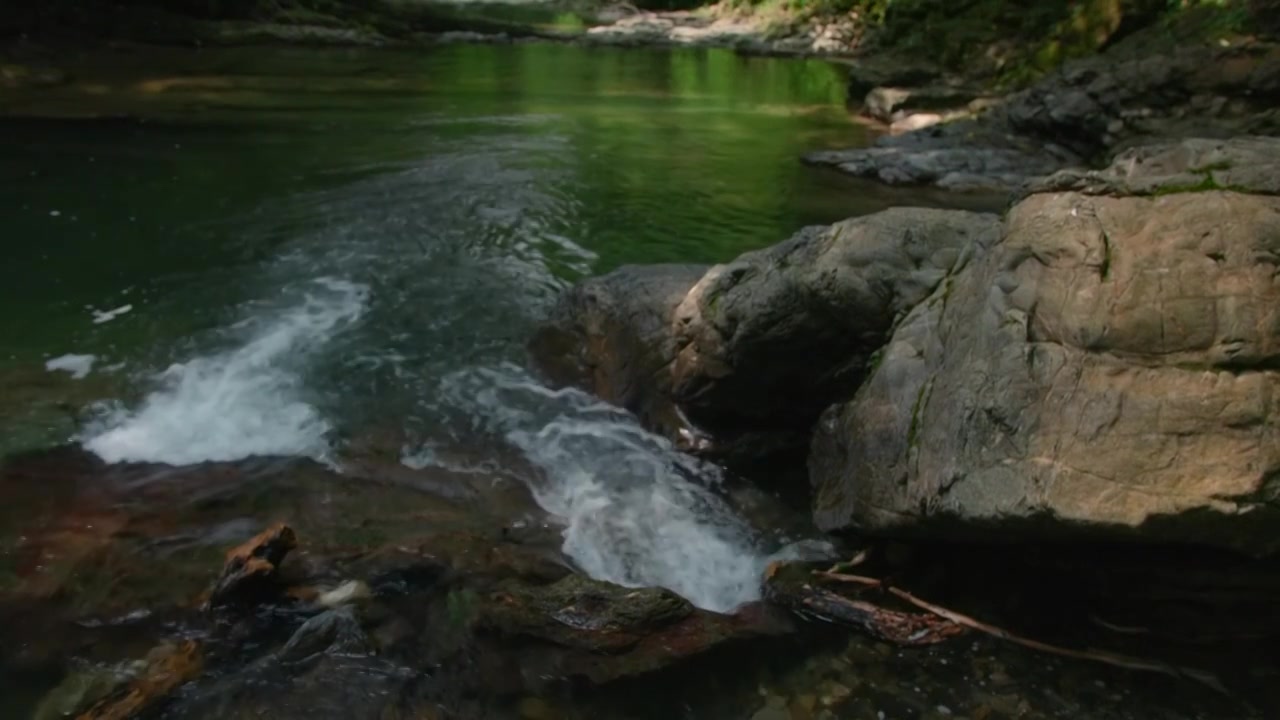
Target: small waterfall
{"points": [[636, 511]]}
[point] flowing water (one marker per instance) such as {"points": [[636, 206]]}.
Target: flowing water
{"points": [[271, 251], [223, 254]]}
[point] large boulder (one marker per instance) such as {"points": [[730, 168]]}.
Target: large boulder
{"points": [[768, 341], [1110, 368], [739, 362]]}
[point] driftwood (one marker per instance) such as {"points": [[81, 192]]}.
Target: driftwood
{"points": [[944, 623], [895, 627], [251, 568], [168, 667]]}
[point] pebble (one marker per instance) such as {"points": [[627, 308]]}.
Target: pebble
{"points": [[344, 594], [835, 693]]}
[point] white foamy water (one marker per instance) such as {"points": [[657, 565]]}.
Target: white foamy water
{"points": [[241, 402], [78, 365], [105, 316], [636, 511]]}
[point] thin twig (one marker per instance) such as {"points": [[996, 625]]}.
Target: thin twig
{"points": [[1123, 661], [845, 577], [855, 561], [1122, 629]]}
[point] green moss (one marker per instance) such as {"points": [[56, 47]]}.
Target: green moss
{"points": [[948, 286], [569, 22], [1211, 167], [712, 302], [1206, 184], [873, 362], [461, 607]]}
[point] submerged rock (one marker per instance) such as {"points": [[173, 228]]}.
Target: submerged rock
{"points": [[582, 613], [601, 632], [1107, 370]]}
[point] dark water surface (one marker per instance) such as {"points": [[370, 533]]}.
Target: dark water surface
{"points": [[461, 186], [332, 259]]}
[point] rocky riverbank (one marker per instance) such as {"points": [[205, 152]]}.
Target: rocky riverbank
{"points": [[949, 132], [1094, 367], [1095, 364], [139, 590], [426, 23]]}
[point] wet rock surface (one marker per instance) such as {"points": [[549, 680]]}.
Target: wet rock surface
{"points": [[1105, 370], [376, 597], [600, 632]]}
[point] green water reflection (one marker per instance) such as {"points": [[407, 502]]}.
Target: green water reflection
{"points": [[159, 178]]}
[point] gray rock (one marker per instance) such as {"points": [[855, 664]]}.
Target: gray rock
{"points": [[737, 363], [1106, 370], [1243, 164], [889, 104], [772, 338], [869, 73], [960, 155], [332, 631], [1091, 107], [252, 33]]}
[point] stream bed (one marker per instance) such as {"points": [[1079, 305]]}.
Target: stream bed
{"points": [[244, 285]]}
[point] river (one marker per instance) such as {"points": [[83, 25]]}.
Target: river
{"points": [[269, 251], [225, 254]]}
